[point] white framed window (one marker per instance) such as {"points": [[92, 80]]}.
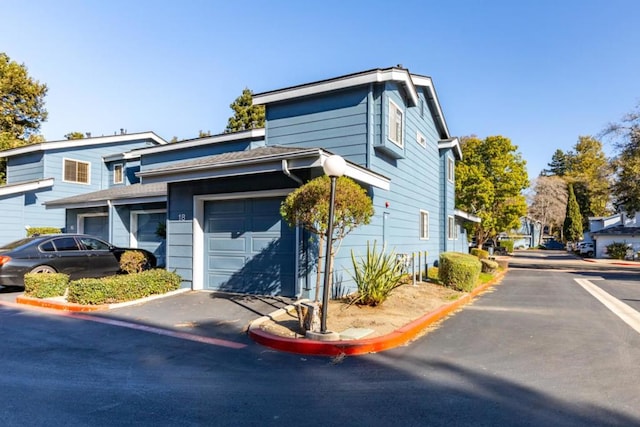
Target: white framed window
{"points": [[421, 107], [451, 169], [452, 233], [76, 171], [424, 225], [396, 124], [421, 139], [118, 174]]}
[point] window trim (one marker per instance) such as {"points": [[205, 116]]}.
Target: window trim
{"points": [[450, 169], [419, 137], [393, 107], [424, 230], [451, 229], [115, 168], [77, 162]]}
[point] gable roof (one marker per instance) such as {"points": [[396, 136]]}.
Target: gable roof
{"points": [[249, 135], [618, 230], [84, 142], [260, 160], [409, 81], [156, 192]]}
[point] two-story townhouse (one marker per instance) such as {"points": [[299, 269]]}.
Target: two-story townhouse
{"points": [[40, 173], [224, 230]]}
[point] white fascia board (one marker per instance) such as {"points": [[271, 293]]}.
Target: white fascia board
{"points": [[424, 81], [106, 202], [467, 216], [376, 76], [27, 186], [363, 175], [249, 134], [451, 143], [84, 142]]}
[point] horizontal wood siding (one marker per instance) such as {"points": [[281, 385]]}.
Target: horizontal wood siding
{"points": [[12, 228], [161, 159], [25, 168], [180, 250], [415, 186], [336, 122]]}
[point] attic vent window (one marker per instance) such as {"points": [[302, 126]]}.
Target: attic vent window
{"points": [[76, 171], [395, 124]]}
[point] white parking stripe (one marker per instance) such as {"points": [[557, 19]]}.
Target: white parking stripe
{"points": [[630, 316]]}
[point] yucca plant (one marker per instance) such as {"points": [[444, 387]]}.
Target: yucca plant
{"points": [[376, 275]]}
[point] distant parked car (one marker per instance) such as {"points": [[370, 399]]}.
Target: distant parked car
{"points": [[587, 249], [77, 255]]}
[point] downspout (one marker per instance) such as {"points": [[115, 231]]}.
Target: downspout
{"points": [[287, 172], [370, 124], [110, 219]]}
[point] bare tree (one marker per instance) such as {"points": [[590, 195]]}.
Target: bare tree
{"points": [[549, 202]]}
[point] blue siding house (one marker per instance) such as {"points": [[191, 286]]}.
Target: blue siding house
{"points": [[218, 198], [37, 174], [224, 230]]}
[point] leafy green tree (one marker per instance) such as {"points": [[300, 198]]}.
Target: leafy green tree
{"points": [[246, 115], [21, 103], [572, 226], [626, 186], [589, 171], [74, 135], [202, 134], [21, 107], [490, 180], [308, 206]]}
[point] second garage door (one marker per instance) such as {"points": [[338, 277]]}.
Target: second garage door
{"points": [[248, 247]]}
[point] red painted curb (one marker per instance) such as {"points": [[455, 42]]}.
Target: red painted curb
{"points": [[364, 346], [59, 305]]}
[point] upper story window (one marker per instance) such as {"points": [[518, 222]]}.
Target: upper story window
{"points": [[421, 108], [451, 168], [76, 171], [424, 225], [118, 174], [421, 139], [396, 122]]}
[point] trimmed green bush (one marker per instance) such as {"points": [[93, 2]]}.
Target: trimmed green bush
{"points": [[32, 231], [617, 250], [432, 275], [132, 261], [459, 271], [376, 275], [45, 285], [114, 289], [507, 245], [480, 253], [489, 266]]}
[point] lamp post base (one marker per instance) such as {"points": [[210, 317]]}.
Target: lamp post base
{"points": [[319, 336]]}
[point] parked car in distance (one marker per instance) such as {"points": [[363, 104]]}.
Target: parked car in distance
{"points": [[586, 249], [77, 255]]}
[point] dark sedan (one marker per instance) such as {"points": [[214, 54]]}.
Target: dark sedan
{"points": [[77, 255]]}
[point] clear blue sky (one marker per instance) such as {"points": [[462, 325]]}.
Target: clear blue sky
{"points": [[539, 72]]}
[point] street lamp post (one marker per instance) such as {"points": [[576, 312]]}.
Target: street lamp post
{"points": [[334, 167]]}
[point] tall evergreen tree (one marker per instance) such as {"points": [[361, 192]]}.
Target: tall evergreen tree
{"points": [[573, 219], [246, 115], [558, 165]]}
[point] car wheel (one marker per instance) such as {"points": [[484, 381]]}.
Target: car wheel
{"points": [[43, 269], [590, 254]]}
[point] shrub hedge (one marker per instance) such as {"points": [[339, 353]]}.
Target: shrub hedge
{"points": [[617, 250], [114, 289], [132, 261], [32, 231], [507, 245], [41, 285], [489, 266], [459, 271], [480, 253]]}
